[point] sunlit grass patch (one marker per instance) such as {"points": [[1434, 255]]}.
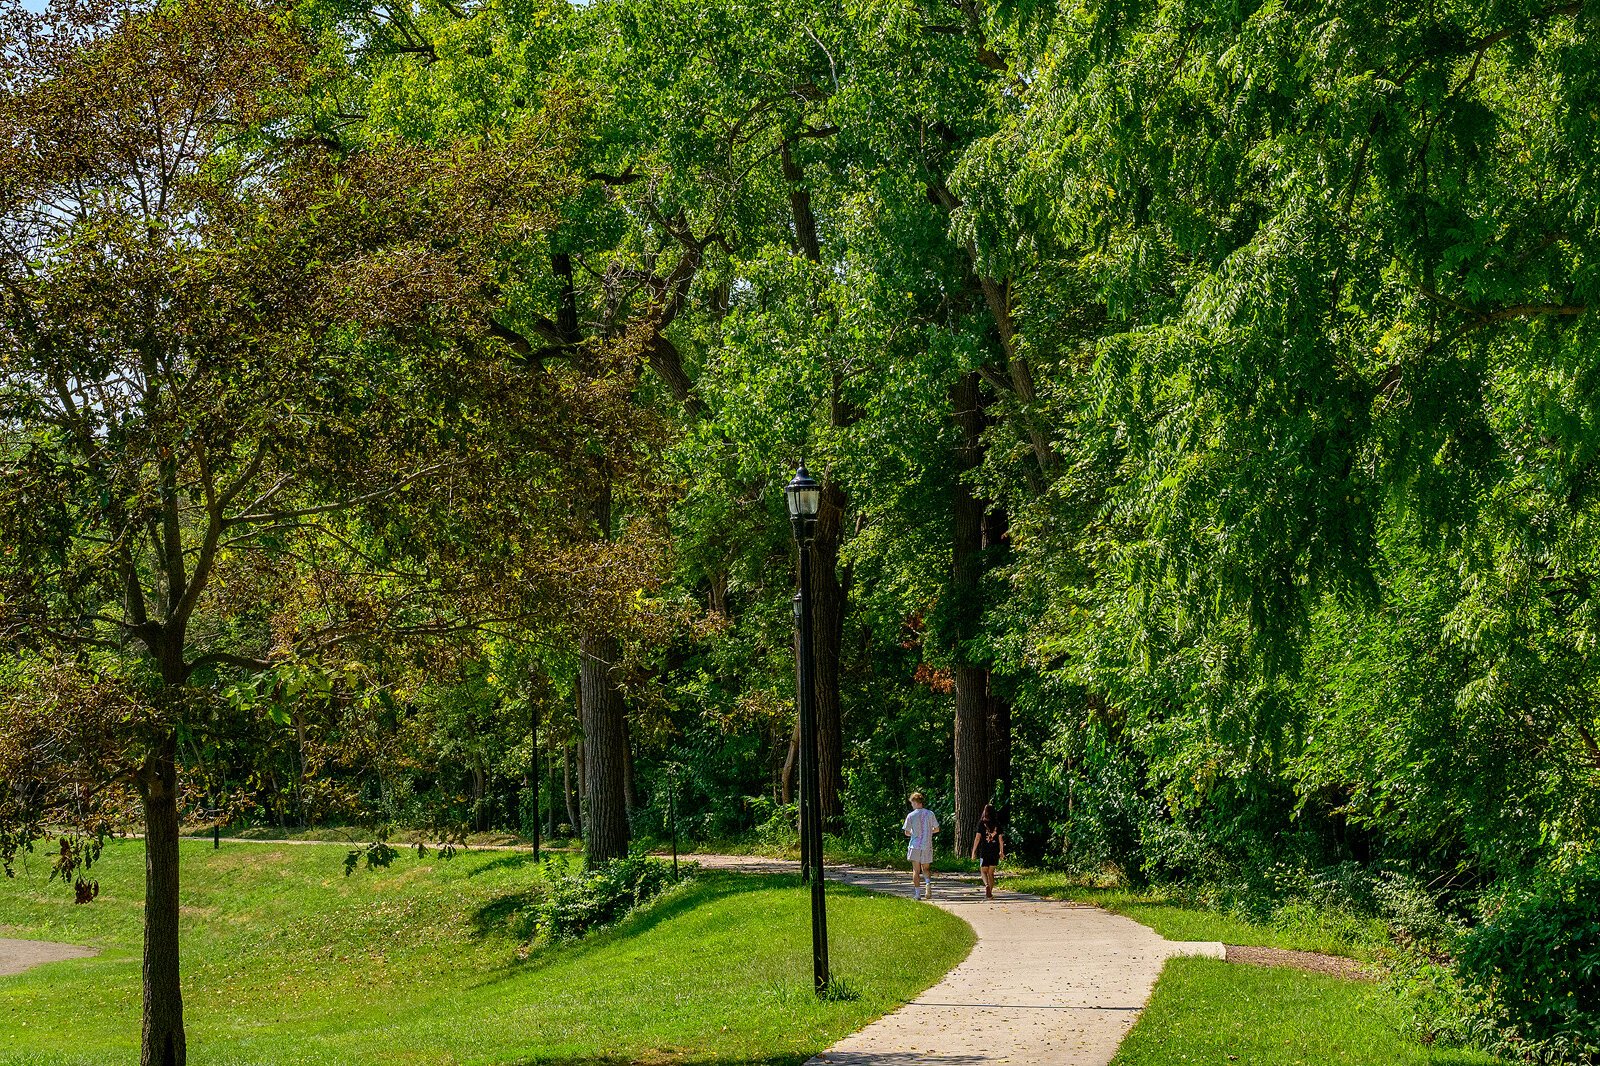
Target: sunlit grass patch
{"points": [[1209, 1011], [286, 960]]}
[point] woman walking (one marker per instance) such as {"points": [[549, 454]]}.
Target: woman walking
{"points": [[988, 847], [920, 826]]}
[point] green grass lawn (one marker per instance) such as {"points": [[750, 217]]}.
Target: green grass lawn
{"points": [[1206, 1011], [1213, 1012], [1298, 929], [288, 961]]}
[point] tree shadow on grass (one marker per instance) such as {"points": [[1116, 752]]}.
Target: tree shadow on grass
{"points": [[509, 915], [498, 916], [507, 860]]}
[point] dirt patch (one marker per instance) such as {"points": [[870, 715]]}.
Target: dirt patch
{"points": [[19, 955], [1309, 961]]}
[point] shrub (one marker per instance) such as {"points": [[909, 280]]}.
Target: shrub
{"points": [[1437, 1007], [1107, 812], [581, 902], [777, 827], [1535, 962]]}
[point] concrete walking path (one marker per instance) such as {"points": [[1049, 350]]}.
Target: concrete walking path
{"points": [[1049, 983], [19, 955]]}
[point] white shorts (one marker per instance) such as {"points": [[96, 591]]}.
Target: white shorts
{"points": [[923, 855]]}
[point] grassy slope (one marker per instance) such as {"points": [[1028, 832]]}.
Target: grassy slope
{"points": [[1208, 1011], [288, 961]]}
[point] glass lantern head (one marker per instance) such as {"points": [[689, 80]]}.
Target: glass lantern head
{"points": [[804, 494]]}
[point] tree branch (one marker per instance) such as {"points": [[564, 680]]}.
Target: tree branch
{"points": [[273, 517], [223, 658]]}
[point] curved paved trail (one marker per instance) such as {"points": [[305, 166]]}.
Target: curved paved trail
{"points": [[19, 955], [1048, 983]]}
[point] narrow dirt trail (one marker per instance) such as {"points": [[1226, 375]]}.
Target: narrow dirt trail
{"points": [[1049, 983]]}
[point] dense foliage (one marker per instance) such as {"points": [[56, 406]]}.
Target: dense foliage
{"points": [[579, 902], [1206, 396]]}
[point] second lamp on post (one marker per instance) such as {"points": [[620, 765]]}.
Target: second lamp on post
{"points": [[805, 496]]}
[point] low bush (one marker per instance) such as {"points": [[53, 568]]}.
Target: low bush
{"points": [[581, 902], [777, 825], [1437, 1008]]}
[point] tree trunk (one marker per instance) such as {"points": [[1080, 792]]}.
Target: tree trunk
{"points": [[827, 593], [805, 221], [827, 636], [717, 595], [802, 761], [789, 761], [480, 790], [547, 785], [998, 739], [301, 818], [974, 785], [996, 545], [605, 749], [630, 793], [162, 1039], [573, 818]]}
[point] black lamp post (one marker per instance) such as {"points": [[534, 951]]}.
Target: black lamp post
{"points": [[805, 495]]}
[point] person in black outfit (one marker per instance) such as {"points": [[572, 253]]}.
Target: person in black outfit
{"points": [[988, 847]]}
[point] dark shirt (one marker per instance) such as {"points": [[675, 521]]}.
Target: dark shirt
{"points": [[989, 847]]}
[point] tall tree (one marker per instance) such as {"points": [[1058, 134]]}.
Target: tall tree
{"points": [[221, 340]]}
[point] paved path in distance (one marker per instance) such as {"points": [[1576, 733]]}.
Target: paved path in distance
{"points": [[1049, 983], [19, 955]]}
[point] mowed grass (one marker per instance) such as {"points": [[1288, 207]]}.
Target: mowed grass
{"points": [[1206, 1011], [1301, 928], [286, 960], [1213, 1012]]}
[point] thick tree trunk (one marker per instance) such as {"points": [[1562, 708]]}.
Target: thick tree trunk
{"points": [[827, 636], [995, 547], [605, 749], [162, 1041], [974, 783], [805, 221], [974, 780]]}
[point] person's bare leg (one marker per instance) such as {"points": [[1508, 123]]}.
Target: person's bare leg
{"points": [[916, 879], [927, 880]]}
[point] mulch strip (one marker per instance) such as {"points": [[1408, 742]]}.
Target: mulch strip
{"points": [[1309, 961]]}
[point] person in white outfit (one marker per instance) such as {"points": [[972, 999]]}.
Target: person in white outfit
{"points": [[920, 826]]}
